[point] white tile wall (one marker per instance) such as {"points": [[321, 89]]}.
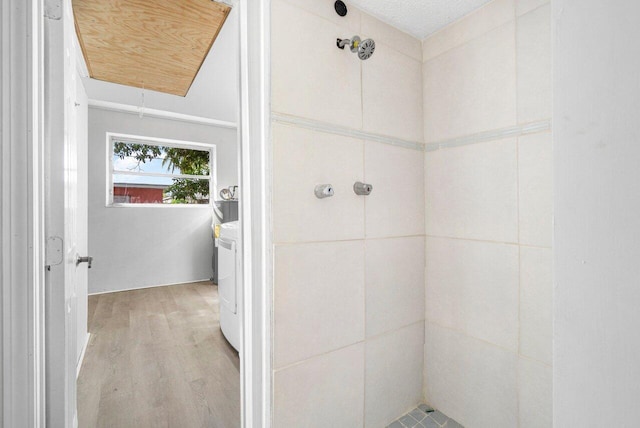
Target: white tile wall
{"points": [[536, 291], [472, 287], [325, 391], [485, 72], [320, 264], [535, 170], [534, 65], [392, 94], [394, 283], [480, 89], [303, 159], [393, 374], [472, 191], [396, 205], [311, 77], [319, 299], [489, 215], [494, 14], [470, 380], [535, 399]]}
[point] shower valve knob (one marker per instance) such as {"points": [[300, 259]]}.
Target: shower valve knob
{"points": [[323, 191], [362, 189]]}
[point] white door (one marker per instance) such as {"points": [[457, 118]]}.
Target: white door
{"points": [[82, 212], [65, 226]]}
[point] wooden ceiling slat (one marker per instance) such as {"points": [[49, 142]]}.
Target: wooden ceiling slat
{"points": [[158, 45]]}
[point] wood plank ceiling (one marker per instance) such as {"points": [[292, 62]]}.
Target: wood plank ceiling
{"points": [[153, 44]]}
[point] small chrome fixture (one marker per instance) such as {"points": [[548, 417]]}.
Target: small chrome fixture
{"points": [[362, 189], [225, 194], [229, 193], [364, 48], [323, 191]]}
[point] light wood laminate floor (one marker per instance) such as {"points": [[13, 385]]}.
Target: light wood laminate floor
{"points": [[157, 358]]}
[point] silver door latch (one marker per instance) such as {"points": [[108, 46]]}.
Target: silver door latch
{"points": [[362, 189], [85, 259]]}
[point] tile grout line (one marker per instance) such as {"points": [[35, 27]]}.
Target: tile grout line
{"points": [[364, 253], [487, 241], [386, 332], [535, 360], [373, 238], [466, 334], [515, 48], [485, 342], [322, 354], [540, 6], [362, 341], [423, 391], [519, 304]]}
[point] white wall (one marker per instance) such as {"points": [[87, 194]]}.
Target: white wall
{"points": [[213, 94], [597, 221], [488, 217], [349, 270], [147, 246]]}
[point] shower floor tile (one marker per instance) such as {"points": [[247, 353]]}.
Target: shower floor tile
{"points": [[424, 416]]}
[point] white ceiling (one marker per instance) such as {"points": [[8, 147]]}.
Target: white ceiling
{"points": [[420, 18]]}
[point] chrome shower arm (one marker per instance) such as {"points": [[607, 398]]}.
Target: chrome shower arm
{"points": [[341, 43]]}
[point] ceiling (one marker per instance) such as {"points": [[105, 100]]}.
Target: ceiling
{"points": [[420, 18], [156, 45], [213, 93]]}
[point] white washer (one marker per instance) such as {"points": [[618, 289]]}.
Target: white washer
{"points": [[230, 282]]}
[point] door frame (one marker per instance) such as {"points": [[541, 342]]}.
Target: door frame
{"points": [[30, 119], [22, 216], [255, 152]]}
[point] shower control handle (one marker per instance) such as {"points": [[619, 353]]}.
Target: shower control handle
{"points": [[362, 189], [323, 191]]}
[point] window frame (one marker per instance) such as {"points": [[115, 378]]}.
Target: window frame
{"points": [[181, 144]]}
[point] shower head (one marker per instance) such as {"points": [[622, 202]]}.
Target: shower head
{"points": [[364, 48]]}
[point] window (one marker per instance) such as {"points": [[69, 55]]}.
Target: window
{"points": [[153, 171]]}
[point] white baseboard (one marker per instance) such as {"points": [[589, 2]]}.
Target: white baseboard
{"points": [[149, 286], [81, 359]]}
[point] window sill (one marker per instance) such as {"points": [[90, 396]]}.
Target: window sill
{"points": [[191, 206]]}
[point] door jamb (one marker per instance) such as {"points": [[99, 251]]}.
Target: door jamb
{"points": [[22, 397], [254, 126]]}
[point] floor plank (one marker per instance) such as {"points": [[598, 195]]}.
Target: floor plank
{"points": [[157, 358]]}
